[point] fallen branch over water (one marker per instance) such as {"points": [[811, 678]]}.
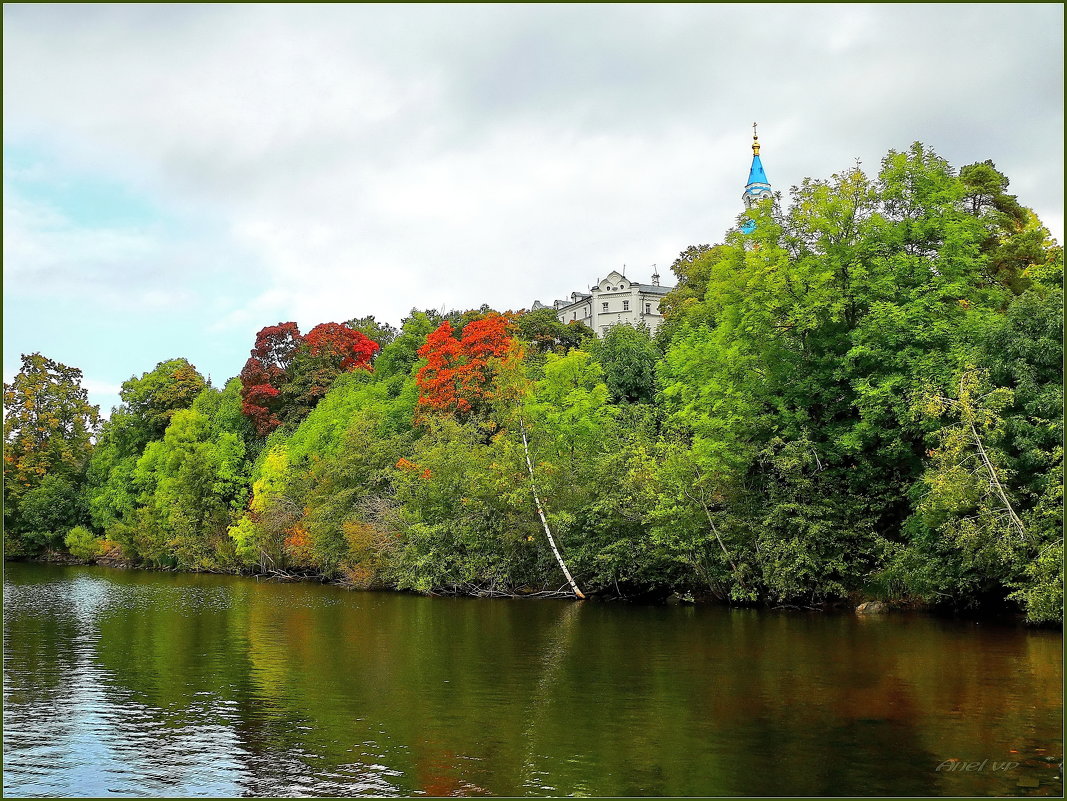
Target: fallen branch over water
{"points": [[276, 574], [492, 591]]}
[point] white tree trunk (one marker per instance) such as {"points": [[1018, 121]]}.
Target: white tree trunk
{"points": [[995, 481], [544, 520]]}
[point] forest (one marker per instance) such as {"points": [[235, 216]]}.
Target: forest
{"points": [[860, 399]]}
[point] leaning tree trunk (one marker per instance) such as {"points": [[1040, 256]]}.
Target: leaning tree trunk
{"points": [[994, 481], [544, 520]]}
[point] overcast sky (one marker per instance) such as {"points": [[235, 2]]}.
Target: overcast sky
{"points": [[177, 177]]}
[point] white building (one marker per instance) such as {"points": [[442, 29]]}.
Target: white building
{"points": [[613, 300]]}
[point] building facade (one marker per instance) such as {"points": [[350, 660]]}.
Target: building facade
{"points": [[613, 300]]}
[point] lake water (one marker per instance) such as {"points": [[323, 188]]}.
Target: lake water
{"points": [[140, 683]]}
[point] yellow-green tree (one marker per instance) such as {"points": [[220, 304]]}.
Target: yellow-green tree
{"points": [[48, 429]]}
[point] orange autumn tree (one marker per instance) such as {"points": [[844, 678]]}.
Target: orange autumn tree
{"points": [[458, 375], [298, 544]]}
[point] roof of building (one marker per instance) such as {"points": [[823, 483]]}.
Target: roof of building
{"points": [[756, 174]]}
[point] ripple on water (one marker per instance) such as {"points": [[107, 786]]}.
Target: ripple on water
{"points": [[139, 684]]}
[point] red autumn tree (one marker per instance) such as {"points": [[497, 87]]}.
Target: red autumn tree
{"points": [[327, 351], [288, 373], [276, 345], [458, 373], [338, 344], [266, 372]]}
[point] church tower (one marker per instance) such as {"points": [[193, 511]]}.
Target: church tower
{"points": [[757, 187]]}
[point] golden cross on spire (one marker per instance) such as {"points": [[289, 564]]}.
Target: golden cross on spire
{"points": [[755, 141]]}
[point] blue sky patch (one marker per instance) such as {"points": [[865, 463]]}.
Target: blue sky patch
{"points": [[83, 198]]}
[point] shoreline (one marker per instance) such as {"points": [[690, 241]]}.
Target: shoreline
{"points": [[852, 606]]}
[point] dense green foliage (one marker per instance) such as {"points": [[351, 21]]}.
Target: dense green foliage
{"points": [[863, 397]]}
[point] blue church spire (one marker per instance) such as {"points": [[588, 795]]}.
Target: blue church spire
{"points": [[757, 187]]}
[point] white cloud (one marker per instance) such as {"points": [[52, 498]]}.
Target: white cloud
{"points": [[531, 213], [331, 161]]}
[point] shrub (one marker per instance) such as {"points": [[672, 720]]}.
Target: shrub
{"points": [[82, 544]]}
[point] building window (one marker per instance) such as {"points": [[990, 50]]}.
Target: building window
{"points": [[648, 308], [626, 305], [605, 305], [574, 315]]}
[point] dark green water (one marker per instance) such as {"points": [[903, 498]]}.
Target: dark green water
{"points": [[137, 683]]}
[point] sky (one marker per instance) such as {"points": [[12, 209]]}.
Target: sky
{"points": [[177, 177]]}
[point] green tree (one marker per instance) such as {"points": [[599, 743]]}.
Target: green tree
{"points": [[48, 429], [110, 493], [628, 356], [791, 382], [401, 355], [147, 406], [581, 448], [323, 485], [171, 500], [46, 513], [192, 487], [1015, 238], [543, 331], [989, 515], [381, 332], [153, 398]]}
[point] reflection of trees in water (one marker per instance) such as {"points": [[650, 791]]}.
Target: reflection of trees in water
{"points": [[751, 703], [832, 715], [555, 652], [40, 626], [40, 660], [291, 689]]}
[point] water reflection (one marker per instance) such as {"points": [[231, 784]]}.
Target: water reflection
{"points": [[138, 683]]}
